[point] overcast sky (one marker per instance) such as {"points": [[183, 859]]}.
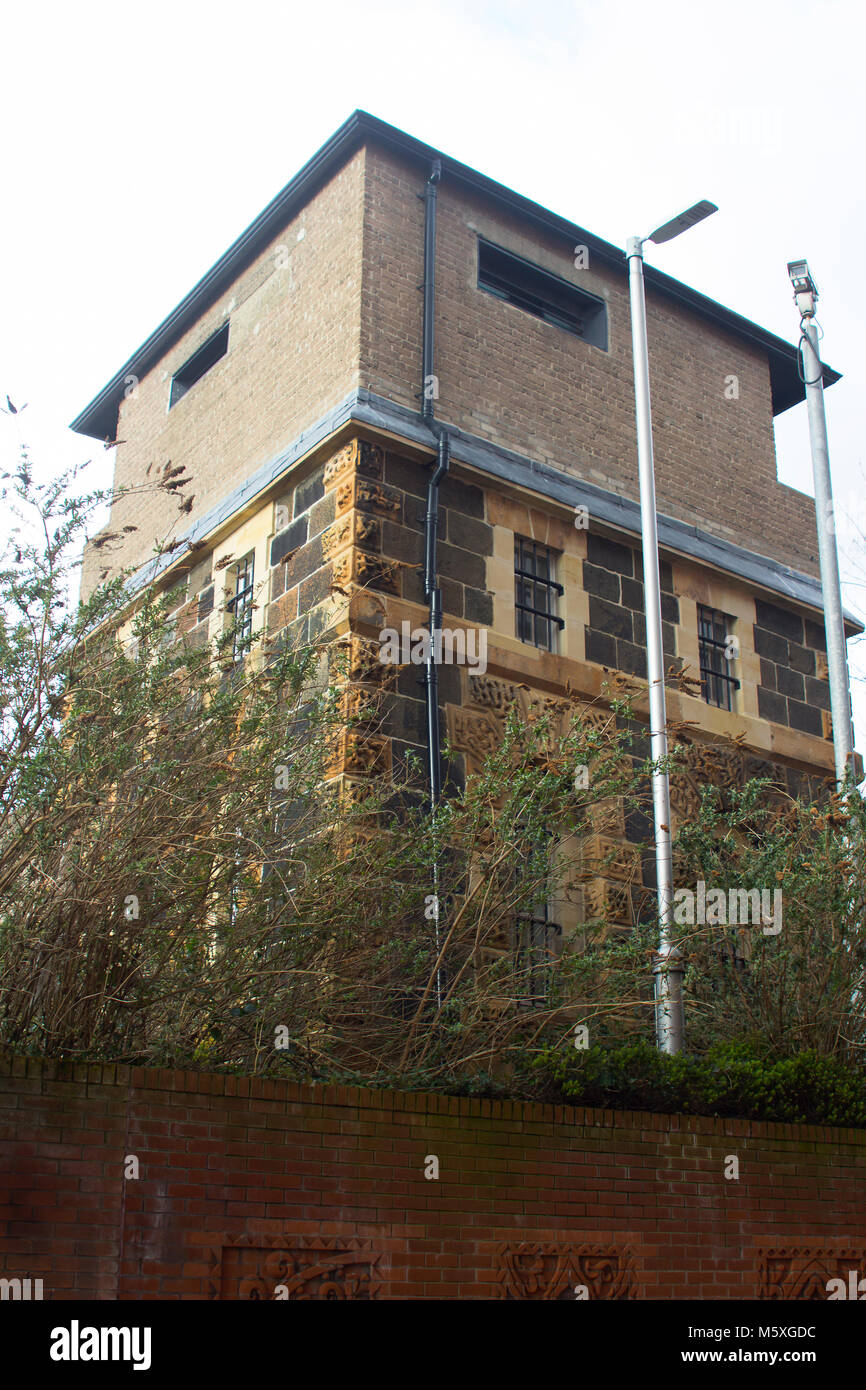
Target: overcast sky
{"points": [[141, 140]]}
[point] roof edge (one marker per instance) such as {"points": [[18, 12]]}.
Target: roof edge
{"points": [[99, 418]]}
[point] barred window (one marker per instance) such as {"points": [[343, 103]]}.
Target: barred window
{"points": [[240, 606], [541, 293], [717, 682], [535, 952], [535, 594]]}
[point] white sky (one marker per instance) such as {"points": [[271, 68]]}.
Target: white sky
{"points": [[141, 140]]}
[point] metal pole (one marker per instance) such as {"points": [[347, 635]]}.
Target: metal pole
{"points": [[837, 656], [668, 965]]}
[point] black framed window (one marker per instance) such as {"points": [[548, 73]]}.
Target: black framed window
{"points": [[541, 293], [535, 594], [535, 951], [240, 606], [717, 682]]}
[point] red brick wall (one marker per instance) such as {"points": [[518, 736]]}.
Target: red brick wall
{"points": [[247, 1184]]}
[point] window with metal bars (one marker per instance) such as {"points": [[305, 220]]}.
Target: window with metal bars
{"points": [[535, 951], [541, 293], [535, 594], [717, 682], [240, 607]]}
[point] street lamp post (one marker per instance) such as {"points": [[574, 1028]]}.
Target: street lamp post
{"points": [[668, 965], [805, 295]]}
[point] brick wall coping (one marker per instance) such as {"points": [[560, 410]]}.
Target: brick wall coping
{"points": [[425, 1102]]}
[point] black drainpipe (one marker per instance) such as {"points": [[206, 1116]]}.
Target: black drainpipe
{"points": [[433, 594], [428, 385]]}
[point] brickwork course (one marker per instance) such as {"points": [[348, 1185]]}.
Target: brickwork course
{"points": [[255, 1189]]}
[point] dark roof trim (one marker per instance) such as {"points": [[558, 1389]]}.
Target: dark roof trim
{"points": [[99, 419], [608, 508]]}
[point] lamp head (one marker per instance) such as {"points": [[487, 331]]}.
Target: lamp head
{"points": [[679, 224]]}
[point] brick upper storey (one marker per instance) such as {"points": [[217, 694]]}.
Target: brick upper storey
{"points": [[322, 299]]}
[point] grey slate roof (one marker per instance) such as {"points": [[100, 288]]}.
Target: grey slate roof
{"points": [[609, 508]]}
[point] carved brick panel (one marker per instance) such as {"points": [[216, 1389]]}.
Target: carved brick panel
{"points": [[802, 1272], [265, 1269], [554, 1272]]}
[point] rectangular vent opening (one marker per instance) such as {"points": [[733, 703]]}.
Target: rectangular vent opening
{"points": [[201, 361], [542, 294]]}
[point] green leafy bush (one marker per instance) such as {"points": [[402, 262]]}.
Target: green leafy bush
{"points": [[732, 1078]]}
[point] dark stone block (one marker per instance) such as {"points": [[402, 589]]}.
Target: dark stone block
{"points": [[407, 719], [816, 637], [410, 682], [805, 718], [768, 674], [278, 582], [454, 777], [602, 583], [670, 608], [817, 693], [773, 647], [600, 647], [470, 533], [399, 543], [402, 755], [632, 595], [638, 827], [461, 497], [316, 589], [801, 659], [292, 538], [479, 607], [631, 659], [295, 634], [772, 706], [450, 685], [309, 491], [412, 585], [790, 682], [779, 620], [666, 577], [452, 597], [669, 637], [460, 564], [415, 514], [205, 603], [323, 513], [610, 617], [609, 555], [320, 620], [304, 562], [371, 507], [411, 477]]}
